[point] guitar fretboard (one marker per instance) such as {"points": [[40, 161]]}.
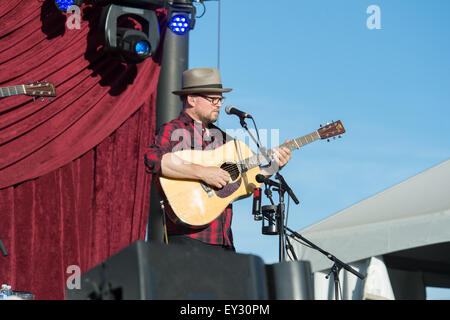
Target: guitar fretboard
{"points": [[259, 159], [11, 91]]}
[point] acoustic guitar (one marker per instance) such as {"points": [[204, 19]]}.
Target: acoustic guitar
{"points": [[196, 204], [37, 89]]}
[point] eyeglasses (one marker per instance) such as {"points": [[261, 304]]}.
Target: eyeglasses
{"points": [[213, 100]]}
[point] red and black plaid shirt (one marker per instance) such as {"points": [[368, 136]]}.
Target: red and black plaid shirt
{"points": [[184, 133]]}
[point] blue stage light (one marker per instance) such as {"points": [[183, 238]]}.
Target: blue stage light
{"points": [[179, 24], [64, 4], [142, 48]]}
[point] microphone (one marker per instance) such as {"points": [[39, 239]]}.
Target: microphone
{"points": [[239, 113], [262, 179], [257, 204]]}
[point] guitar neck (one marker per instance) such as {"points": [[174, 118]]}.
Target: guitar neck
{"points": [[294, 144], [11, 91]]}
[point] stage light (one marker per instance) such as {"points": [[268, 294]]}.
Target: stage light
{"points": [[181, 17], [142, 48], [179, 24], [132, 45], [64, 5]]}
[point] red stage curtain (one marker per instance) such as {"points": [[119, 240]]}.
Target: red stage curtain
{"points": [[73, 187]]}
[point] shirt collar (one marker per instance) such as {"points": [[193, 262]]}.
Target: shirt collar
{"points": [[185, 118]]}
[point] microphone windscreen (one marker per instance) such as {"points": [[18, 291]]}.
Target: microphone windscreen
{"points": [[260, 178], [228, 109]]}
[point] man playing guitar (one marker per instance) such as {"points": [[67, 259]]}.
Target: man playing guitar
{"points": [[202, 98]]}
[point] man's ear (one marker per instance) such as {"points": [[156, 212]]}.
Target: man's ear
{"points": [[191, 99]]}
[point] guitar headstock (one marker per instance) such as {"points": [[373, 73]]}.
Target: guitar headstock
{"points": [[40, 89], [331, 130]]}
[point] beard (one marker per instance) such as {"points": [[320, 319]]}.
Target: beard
{"points": [[212, 117]]}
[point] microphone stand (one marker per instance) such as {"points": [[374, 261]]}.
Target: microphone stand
{"points": [[336, 267], [263, 152], [280, 208], [283, 182], [283, 187], [281, 231], [277, 226]]}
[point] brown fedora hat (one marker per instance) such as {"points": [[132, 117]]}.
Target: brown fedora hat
{"points": [[201, 80]]}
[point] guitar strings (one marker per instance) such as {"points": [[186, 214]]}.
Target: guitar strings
{"points": [[234, 167]]}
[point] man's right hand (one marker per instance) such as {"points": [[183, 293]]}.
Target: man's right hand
{"points": [[214, 176]]}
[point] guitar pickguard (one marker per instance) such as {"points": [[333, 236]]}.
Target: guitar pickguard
{"points": [[229, 189]]}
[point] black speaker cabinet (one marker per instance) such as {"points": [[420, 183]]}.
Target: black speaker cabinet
{"points": [[292, 280], [145, 271]]}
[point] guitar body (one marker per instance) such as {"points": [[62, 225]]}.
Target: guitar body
{"points": [[197, 204]]}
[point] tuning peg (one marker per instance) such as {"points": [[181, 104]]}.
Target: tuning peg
{"points": [[328, 140], [339, 136], [34, 98], [50, 99], [334, 138], [42, 99], [321, 126]]}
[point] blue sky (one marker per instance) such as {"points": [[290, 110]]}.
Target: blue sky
{"points": [[297, 64]]}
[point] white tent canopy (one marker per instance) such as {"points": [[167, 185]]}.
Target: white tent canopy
{"points": [[407, 226]]}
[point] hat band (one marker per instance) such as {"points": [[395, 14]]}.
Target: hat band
{"points": [[215, 86]]}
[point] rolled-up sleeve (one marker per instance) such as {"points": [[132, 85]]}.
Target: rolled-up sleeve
{"points": [[161, 145]]}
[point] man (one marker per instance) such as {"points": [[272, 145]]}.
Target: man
{"points": [[202, 98]]}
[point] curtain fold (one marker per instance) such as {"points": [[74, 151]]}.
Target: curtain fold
{"points": [[73, 187]]}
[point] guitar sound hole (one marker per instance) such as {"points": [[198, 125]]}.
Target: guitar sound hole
{"points": [[232, 169]]}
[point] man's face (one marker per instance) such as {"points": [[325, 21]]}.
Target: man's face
{"points": [[205, 107]]}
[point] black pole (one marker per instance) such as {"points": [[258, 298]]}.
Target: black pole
{"points": [[281, 233], [174, 61], [2, 248]]}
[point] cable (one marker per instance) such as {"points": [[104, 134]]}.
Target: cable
{"points": [[289, 255], [257, 132], [204, 9]]}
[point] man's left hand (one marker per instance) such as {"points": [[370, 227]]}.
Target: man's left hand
{"points": [[282, 155]]}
